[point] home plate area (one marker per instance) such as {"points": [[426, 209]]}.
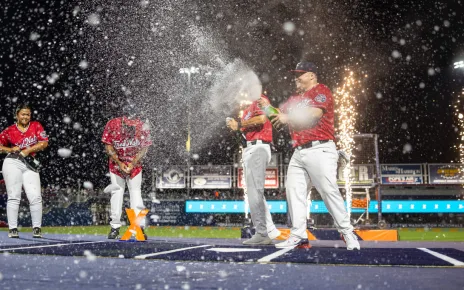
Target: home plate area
{"points": [[180, 251]]}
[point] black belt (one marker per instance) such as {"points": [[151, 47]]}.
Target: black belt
{"points": [[14, 156], [312, 144], [254, 142]]}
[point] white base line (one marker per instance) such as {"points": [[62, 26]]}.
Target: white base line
{"points": [[49, 246], [274, 255], [168, 252], [443, 257]]}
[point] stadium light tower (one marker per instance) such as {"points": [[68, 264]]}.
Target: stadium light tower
{"points": [[188, 71], [459, 64]]}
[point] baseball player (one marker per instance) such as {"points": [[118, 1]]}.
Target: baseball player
{"points": [[21, 142], [310, 117], [256, 156], [126, 142]]}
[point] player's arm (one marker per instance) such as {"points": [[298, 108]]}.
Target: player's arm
{"points": [[139, 156], [300, 119], [305, 118], [255, 121], [6, 150], [111, 152], [4, 142], [36, 148]]}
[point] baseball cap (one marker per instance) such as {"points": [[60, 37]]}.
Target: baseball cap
{"points": [[305, 66]]}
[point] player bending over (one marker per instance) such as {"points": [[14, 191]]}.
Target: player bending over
{"points": [[126, 142]]}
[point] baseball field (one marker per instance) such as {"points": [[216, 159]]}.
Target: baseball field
{"points": [[404, 234]]}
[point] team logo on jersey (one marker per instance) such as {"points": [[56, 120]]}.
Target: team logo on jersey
{"points": [[28, 141], [43, 134], [247, 116], [126, 143], [320, 98]]}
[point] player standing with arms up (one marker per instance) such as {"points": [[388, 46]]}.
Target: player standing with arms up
{"points": [[310, 117], [126, 142], [256, 156], [21, 142]]}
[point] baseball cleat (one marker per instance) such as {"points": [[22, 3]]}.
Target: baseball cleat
{"points": [[36, 232], [258, 239], [292, 242], [13, 233], [351, 241], [114, 234], [274, 234]]}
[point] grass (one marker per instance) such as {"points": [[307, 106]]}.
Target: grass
{"points": [[164, 231], [405, 234], [432, 234]]}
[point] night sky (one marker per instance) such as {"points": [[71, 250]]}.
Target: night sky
{"points": [[77, 62]]}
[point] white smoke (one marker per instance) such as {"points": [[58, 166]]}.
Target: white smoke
{"points": [[234, 83]]}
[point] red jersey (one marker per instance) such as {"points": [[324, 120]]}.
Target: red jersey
{"points": [[262, 132], [128, 137], [34, 134], [321, 97]]}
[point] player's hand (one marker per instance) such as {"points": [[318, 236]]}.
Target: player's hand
{"points": [[24, 153], [262, 103], [14, 149], [279, 120], [130, 167], [122, 167], [232, 124]]}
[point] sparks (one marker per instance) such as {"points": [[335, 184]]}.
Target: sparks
{"points": [[460, 119], [346, 110]]}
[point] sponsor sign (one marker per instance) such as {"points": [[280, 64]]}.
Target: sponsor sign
{"points": [[229, 206], [272, 178], [167, 213], [211, 176], [171, 177], [361, 174], [401, 173], [318, 206], [445, 173]]}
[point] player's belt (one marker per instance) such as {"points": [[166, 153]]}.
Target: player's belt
{"points": [[30, 162], [254, 142], [312, 144]]}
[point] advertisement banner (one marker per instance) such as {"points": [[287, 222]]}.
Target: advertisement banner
{"points": [[167, 213], [401, 174], [211, 176], [272, 178], [318, 206], [171, 177], [361, 174], [445, 173]]}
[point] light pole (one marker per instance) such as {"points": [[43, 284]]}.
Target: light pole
{"points": [[188, 71], [459, 64]]}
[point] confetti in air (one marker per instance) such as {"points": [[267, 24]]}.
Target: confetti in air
{"points": [[347, 114]]}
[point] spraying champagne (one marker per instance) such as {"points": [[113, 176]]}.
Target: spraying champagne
{"points": [[239, 137], [270, 112]]}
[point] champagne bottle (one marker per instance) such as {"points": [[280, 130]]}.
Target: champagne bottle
{"points": [[269, 110]]}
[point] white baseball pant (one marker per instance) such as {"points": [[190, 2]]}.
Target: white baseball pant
{"points": [[117, 197], [16, 176], [315, 166], [255, 160]]}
